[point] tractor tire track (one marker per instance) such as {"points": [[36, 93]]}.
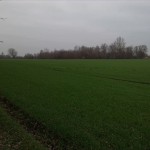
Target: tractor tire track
{"points": [[102, 76], [35, 128]]}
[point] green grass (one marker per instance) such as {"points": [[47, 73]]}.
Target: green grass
{"points": [[14, 137], [78, 101]]}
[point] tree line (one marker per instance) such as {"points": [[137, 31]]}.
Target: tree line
{"points": [[116, 50], [12, 53]]}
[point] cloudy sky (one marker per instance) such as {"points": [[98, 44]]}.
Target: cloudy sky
{"points": [[32, 25]]}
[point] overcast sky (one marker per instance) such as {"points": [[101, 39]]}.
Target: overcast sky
{"points": [[32, 25]]}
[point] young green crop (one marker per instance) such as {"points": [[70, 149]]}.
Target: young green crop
{"points": [[93, 104], [14, 137]]}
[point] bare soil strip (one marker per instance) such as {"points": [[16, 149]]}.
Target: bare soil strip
{"points": [[34, 127]]}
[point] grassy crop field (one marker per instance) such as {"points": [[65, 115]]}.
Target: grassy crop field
{"points": [[13, 137], [92, 104]]}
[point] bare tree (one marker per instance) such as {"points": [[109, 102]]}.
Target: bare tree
{"points": [[104, 49], [119, 45], [140, 51], [28, 56], [129, 52], [12, 53]]}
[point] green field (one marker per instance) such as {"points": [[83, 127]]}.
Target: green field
{"points": [[13, 137], [92, 104]]}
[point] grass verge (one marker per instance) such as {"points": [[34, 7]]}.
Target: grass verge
{"points": [[31, 125], [14, 137]]}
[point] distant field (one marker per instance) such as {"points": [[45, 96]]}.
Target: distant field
{"points": [[93, 104]]}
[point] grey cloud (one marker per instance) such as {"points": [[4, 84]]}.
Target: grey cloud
{"points": [[33, 25]]}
